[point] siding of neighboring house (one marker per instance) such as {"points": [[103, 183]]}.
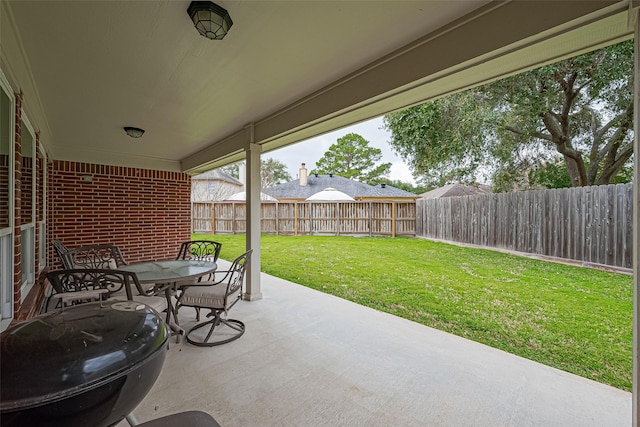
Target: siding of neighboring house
{"points": [[214, 186], [145, 212]]}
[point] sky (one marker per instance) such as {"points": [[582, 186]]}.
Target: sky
{"points": [[311, 150]]}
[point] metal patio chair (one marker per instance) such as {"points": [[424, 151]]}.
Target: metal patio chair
{"points": [[205, 250], [104, 256], [61, 251], [81, 285], [219, 297]]}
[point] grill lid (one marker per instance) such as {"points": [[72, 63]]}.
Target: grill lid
{"points": [[58, 355]]}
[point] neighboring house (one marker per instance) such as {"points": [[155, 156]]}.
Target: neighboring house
{"points": [[242, 197], [307, 185], [214, 186], [455, 190]]}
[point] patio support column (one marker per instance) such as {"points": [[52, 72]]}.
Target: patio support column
{"points": [[634, 21], [253, 188]]}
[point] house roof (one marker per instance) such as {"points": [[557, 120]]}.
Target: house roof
{"points": [[216, 175], [454, 190], [355, 189]]}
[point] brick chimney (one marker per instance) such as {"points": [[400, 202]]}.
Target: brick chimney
{"points": [[303, 175]]}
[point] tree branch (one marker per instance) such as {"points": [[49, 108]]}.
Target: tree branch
{"points": [[628, 112], [609, 171], [538, 135]]}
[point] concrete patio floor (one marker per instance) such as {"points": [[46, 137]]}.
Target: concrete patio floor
{"points": [[311, 359]]}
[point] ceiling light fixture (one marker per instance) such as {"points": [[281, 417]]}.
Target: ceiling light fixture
{"points": [[211, 20], [134, 132]]}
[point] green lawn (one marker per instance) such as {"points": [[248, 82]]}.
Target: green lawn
{"points": [[571, 318]]}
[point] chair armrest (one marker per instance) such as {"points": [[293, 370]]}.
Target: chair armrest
{"points": [[206, 282]]}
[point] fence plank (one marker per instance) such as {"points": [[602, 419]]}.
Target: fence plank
{"points": [[293, 218], [591, 224]]}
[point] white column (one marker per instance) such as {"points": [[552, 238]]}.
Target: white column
{"points": [[634, 19], [253, 188]]}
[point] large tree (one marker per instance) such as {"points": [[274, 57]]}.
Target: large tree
{"points": [[578, 111], [352, 157], [272, 172], [406, 186]]}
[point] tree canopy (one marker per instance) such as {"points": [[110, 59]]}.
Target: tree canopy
{"points": [[272, 172], [573, 117], [352, 157], [406, 186]]}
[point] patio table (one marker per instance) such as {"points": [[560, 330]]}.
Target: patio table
{"points": [[169, 274]]}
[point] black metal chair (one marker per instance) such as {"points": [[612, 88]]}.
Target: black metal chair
{"points": [[206, 250], [61, 251], [104, 256], [80, 285], [219, 297]]}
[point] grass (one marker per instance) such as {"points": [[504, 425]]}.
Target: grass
{"points": [[572, 318]]}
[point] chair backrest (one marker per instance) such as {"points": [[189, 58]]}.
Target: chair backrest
{"points": [[200, 249], [102, 256], [235, 279], [62, 251], [86, 279]]}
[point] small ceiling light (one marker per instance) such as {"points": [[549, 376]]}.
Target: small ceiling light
{"points": [[211, 20], [134, 132]]}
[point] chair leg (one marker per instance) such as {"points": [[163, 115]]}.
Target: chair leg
{"points": [[213, 323]]}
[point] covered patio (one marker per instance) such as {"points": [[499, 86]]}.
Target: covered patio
{"points": [[74, 75], [311, 359]]}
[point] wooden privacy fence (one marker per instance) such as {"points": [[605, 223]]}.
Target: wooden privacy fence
{"points": [[319, 218], [590, 224]]}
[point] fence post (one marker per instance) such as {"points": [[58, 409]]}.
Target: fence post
{"points": [[587, 220], [393, 219], [213, 218], [233, 218], [277, 219], [370, 219]]}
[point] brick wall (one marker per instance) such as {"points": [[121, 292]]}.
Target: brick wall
{"points": [[4, 190], [146, 213], [26, 189], [17, 237], [40, 206], [40, 181]]}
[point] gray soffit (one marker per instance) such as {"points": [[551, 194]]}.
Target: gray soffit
{"points": [[287, 70]]}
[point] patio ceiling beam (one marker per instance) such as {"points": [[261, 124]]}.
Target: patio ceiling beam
{"points": [[467, 52]]}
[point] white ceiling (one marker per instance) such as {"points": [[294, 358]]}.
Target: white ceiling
{"points": [[294, 68]]}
